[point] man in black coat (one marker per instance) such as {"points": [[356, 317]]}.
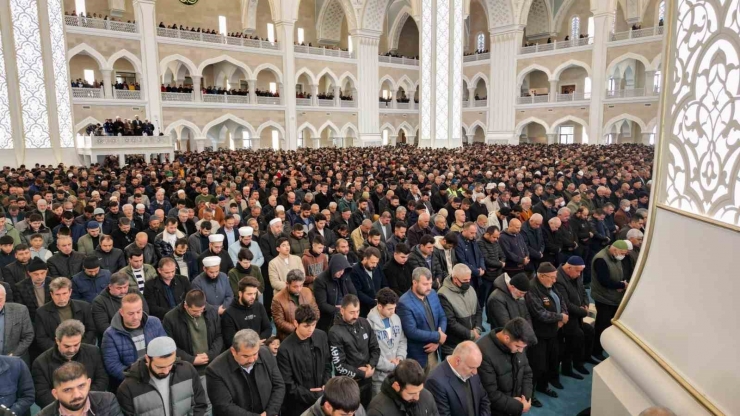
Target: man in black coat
{"points": [[66, 262], [245, 377], [455, 383], [60, 309], [15, 272], [166, 291], [553, 243], [354, 348], [69, 347], [196, 329], [332, 285], [305, 363], [246, 312], [368, 279], [578, 336], [397, 270], [268, 245], [505, 371], [403, 393], [25, 290]]}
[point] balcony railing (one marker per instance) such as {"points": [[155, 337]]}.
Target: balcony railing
{"points": [[126, 95], [95, 93], [576, 96], [312, 50], [398, 61], [326, 103], [403, 106], [220, 39], [533, 99], [126, 144], [91, 23], [269, 100], [177, 97], [306, 102], [636, 34], [225, 98], [632, 92], [477, 57], [349, 104], [383, 104], [573, 43]]}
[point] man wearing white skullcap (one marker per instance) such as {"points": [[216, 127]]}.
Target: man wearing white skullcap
{"points": [[216, 249], [245, 242], [268, 245], [214, 283]]}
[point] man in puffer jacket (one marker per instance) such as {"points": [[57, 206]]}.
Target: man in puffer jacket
{"points": [[460, 303], [159, 380], [388, 331], [507, 300], [494, 260]]}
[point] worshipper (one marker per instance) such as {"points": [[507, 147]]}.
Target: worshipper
{"points": [[403, 393], [460, 305], [515, 248], [137, 271], [245, 378], [15, 271], [443, 256], [354, 347], [198, 242], [608, 285], [455, 384], [246, 312], [69, 348], [399, 236], [305, 363], [216, 249], [505, 371], [111, 258], [390, 336], [413, 235], [72, 391], [341, 396], [167, 290], [269, 247], [246, 242], [60, 309], [494, 261], [17, 332], [66, 262], [108, 302], [281, 264], [368, 279], [532, 232], [578, 336], [286, 301], [507, 300], [92, 280], [314, 260], [330, 288], [423, 320], [33, 291], [215, 284], [160, 383]]}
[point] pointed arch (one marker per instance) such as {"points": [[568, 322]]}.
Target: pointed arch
{"points": [[466, 81], [349, 126], [390, 127], [520, 126], [397, 26], [578, 120], [329, 20], [406, 127], [272, 124], [624, 116], [472, 127], [328, 72], [567, 64], [224, 58], [224, 118], [85, 49], [477, 77], [465, 128], [311, 77], [329, 125], [373, 14], [656, 63], [123, 53], [270, 67], [534, 67], [560, 15], [408, 84], [183, 123], [622, 58], [192, 68], [390, 81], [309, 126], [86, 122], [651, 125], [347, 75]]}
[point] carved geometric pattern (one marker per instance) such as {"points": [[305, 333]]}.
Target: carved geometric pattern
{"points": [[6, 129], [442, 70], [538, 21], [456, 73], [24, 14], [575, 27], [61, 79], [500, 12], [519, 7], [397, 29], [374, 11], [251, 15], [426, 70], [331, 22], [702, 132]]}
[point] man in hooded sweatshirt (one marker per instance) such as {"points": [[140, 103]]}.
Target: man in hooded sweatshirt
{"points": [[464, 315], [330, 288], [354, 348], [389, 332]]}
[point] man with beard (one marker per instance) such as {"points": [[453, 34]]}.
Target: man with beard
{"points": [[245, 241], [344, 251], [403, 393], [305, 363], [72, 393], [158, 380], [108, 302], [354, 348], [15, 271], [246, 312], [368, 279], [69, 347], [216, 249], [60, 309]]}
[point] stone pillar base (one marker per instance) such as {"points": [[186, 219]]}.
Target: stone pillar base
{"points": [[501, 137]]}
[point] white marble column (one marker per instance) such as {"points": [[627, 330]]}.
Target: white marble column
{"points": [[314, 94], [603, 15], [365, 46], [144, 13], [11, 121], [552, 138], [505, 44], [553, 90], [285, 34], [337, 96], [394, 98], [107, 83], [252, 91], [197, 97], [471, 97], [649, 82]]}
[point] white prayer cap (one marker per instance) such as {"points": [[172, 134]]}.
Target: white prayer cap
{"points": [[629, 244], [212, 261], [489, 173], [216, 238], [501, 185], [181, 192], [580, 173], [280, 208], [538, 173], [491, 185], [246, 231], [275, 221], [140, 206]]}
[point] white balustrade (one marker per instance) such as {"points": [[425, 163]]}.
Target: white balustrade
{"points": [[177, 96], [628, 93], [384, 104], [312, 50], [481, 103], [398, 61], [349, 103], [220, 39], [90, 23], [226, 99], [96, 93], [126, 95], [305, 102], [326, 102], [556, 45], [533, 99], [269, 100], [477, 57], [121, 142], [403, 106], [637, 34]]}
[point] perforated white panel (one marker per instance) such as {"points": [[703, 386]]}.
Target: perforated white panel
{"points": [[456, 73], [442, 70], [538, 21], [61, 78], [426, 70], [6, 129]]}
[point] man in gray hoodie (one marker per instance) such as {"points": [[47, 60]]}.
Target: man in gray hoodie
{"points": [[388, 331]]}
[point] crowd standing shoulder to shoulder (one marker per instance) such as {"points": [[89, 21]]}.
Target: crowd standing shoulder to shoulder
{"points": [[160, 281]]}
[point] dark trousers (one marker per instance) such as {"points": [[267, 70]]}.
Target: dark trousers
{"points": [[267, 297], [604, 315], [366, 392], [576, 345], [484, 289], [543, 358]]}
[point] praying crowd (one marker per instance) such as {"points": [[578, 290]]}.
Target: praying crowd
{"points": [[121, 127], [331, 281]]}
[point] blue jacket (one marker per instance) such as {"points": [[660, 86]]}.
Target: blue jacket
{"points": [[449, 392], [16, 385], [367, 288], [468, 252], [414, 323], [165, 205], [86, 288], [118, 348], [78, 230]]}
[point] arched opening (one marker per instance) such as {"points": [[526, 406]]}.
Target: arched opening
{"points": [[85, 72], [477, 39], [571, 81], [629, 78], [481, 90], [348, 90], [570, 132], [303, 89], [626, 131], [332, 27], [479, 134], [225, 82], [326, 91], [177, 77], [330, 137], [535, 84], [387, 136], [533, 132], [306, 138], [271, 138], [408, 46], [538, 22], [401, 96], [268, 84], [125, 77], [386, 93]]}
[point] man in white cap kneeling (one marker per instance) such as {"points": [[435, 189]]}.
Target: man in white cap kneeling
{"points": [[216, 249], [245, 241], [215, 284], [159, 383]]}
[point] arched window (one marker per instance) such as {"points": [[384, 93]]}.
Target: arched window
{"points": [[575, 27], [661, 11], [246, 139], [480, 43]]}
